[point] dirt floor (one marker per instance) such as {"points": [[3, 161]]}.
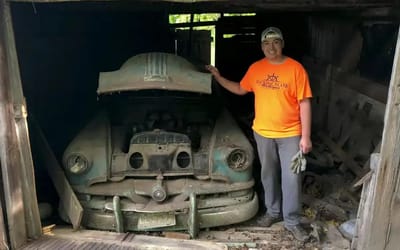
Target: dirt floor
{"points": [[244, 236], [251, 235]]}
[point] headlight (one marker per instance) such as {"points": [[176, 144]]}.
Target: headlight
{"points": [[136, 160], [183, 159], [237, 160], [77, 164]]}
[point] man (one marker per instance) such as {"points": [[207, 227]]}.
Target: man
{"points": [[282, 126]]}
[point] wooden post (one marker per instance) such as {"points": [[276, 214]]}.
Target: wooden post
{"points": [[33, 225], [3, 233], [380, 224], [363, 222], [9, 153]]}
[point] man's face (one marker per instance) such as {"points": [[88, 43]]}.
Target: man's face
{"points": [[272, 48]]}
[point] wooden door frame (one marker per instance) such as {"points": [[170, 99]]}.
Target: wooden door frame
{"points": [[21, 206], [378, 211]]}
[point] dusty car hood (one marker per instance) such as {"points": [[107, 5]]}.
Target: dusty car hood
{"points": [[155, 71]]}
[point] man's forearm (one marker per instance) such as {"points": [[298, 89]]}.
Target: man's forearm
{"points": [[305, 117], [231, 86]]}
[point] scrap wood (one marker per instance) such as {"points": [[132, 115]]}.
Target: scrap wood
{"points": [[228, 236], [320, 205], [363, 179], [317, 231], [360, 181], [68, 198], [345, 157], [356, 126], [345, 196], [272, 229], [48, 229], [177, 235], [320, 156], [334, 239], [242, 245], [312, 184], [323, 159], [347, 206]]}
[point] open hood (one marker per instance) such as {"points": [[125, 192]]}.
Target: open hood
{"points": [[155, 71]]}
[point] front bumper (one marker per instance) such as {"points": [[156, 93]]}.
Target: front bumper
{"points": [[190, 205], [190, 219]]}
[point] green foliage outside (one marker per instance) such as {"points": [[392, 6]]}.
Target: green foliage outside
{"points": [[204, 17], [185, 18]]}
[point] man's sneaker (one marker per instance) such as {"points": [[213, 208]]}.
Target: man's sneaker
{"points": [[267, 220], [298, 232]]}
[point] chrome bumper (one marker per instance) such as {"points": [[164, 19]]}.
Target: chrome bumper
{"points": [[192, 218]]}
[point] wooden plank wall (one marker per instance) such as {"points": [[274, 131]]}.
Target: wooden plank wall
{"points": [[381, 217], [339, 109]]}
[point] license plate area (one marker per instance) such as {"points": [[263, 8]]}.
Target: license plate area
{"points": [[154, 220]]}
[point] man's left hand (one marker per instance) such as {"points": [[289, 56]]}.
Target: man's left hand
{"points": [[305, 145]]}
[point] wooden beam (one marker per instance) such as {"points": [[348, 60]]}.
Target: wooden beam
{"points": [[362, 85], [246, 5], [9, 153], [382, 217], [33, 225], [68, 199]]}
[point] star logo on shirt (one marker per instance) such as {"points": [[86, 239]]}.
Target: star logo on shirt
{"points": [[272, 78]]}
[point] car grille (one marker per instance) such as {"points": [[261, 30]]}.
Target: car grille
{"points": [[159, 137], [153, 152]]}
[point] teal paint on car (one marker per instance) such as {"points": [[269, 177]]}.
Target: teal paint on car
{"points": [[162, 153]]}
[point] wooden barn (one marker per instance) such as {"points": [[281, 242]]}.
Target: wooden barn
{"points": [[51, 54]]}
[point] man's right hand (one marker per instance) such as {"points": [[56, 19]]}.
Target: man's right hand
{"points": [[213, 70], [231, 86]]}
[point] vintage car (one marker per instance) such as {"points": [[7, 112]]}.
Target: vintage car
{"points": [[162, 153]]}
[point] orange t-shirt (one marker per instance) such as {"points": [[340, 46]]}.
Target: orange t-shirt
{"points": [[277, 88]]}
